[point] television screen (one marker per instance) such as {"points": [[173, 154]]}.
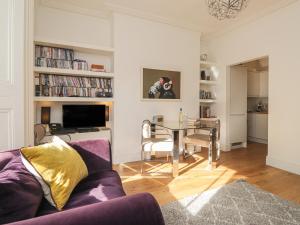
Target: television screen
{"points": [[76, 116]]}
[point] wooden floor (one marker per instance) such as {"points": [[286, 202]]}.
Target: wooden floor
{"points": [[249, 164]]}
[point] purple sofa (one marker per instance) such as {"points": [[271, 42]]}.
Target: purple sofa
{"points": [[99, 199]]}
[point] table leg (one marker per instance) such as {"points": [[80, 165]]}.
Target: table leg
{"points": [[176, 153], [212, 155]]}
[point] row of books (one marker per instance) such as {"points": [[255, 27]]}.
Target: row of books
{"points": [[205, 94], [68, 86], [205, 111], [79, 64], [63, 59], [73, 81], [73, 92], [54, 53], [54, 63]]}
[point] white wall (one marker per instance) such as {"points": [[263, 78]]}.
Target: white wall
{"points": [[137, 43], [141, 43], [60, 25], [277, 36]]}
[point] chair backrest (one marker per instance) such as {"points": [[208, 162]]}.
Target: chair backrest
{"points": [[39, 133], [146, 129], [211, 123]]}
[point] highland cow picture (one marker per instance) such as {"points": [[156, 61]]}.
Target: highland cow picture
{"points": [[160, 84]]}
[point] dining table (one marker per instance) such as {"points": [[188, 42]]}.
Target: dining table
{"points": [[179, 130]]}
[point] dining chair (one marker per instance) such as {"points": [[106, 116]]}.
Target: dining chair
{"points": [[206, 134], [152, 144], [39, 133]]}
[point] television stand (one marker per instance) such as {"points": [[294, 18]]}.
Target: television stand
{"points": [[81, 136], [87, 129]]}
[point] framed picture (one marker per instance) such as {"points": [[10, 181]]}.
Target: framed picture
{"points": [[161, 84]]}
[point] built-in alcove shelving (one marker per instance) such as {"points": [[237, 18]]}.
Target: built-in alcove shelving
{"points": [[207, 89]]}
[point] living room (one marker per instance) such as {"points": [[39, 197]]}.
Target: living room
{"points": [[91, 73]]}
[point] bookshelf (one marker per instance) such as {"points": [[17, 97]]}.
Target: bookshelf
{"points": [[71, 72], [208, 82], [207, 100], [72, 99], [55, 62], [207, 89]]}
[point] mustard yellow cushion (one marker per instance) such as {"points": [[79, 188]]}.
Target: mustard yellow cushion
{"points": [[58, 167]]}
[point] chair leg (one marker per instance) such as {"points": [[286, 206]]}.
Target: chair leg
{"points": [[142, 161], [218, 150], [210, 155]]}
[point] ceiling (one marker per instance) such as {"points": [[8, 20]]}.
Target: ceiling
{"points": [[192, 14]]}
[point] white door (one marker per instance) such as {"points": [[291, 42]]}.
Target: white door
{"points": [[11, 74], [238, 105]]}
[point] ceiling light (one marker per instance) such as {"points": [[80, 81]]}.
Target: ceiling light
{"points": [[225, 9]]}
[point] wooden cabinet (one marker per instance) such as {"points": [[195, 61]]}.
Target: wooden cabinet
{"points": [[258, 84], [253, 85], [257, 127], [251, 125], [261, 126], [264, 84]]}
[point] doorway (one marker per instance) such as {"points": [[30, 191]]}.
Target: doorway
{"points": [[248, 104]]}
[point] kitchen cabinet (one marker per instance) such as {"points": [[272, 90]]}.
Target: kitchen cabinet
{"points": [[258, 84], [257, 127]]}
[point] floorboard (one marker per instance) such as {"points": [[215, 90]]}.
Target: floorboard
{"points": [[248, 164]]}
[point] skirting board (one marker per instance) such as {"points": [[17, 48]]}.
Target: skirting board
{"points": [[258, 140], [284, 165]]}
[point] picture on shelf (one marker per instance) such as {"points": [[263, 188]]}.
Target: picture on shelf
{"points": [[161, 84]]}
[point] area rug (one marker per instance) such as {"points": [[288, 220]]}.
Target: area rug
{"points": [[238, 203]]}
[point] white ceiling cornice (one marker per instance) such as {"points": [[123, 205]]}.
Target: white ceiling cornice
{"points": [[152, 17], [109, 8], [105, 10], [57, 4]]}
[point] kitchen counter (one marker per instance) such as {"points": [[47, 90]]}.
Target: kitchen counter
{"points": [[258, 112]]}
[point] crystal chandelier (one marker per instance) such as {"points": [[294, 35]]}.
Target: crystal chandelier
{"points": [[225, 9]]}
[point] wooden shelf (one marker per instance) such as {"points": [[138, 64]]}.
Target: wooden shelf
{"points": [[70, 72], [208, 82], [81, 47], [71, 99], [207, 63], [207, 100]]}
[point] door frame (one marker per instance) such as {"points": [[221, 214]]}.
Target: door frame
{"points": [[228, 89]]}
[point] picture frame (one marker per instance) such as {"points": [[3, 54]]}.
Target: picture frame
{"points": [[160, 84]]}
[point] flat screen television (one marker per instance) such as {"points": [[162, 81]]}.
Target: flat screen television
{"points": [[80, 116]]}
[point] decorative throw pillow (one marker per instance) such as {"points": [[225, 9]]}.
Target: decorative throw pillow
{"points": [[58, 167], [20, 193]]}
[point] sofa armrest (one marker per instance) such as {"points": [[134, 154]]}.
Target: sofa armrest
{"points": [[139, 209], [95, 153]]}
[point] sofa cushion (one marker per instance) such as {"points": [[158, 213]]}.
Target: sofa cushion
{"points": [[20, 192], [97, 187], [58, 167]]}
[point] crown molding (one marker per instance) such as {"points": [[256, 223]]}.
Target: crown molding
{"points": [[108, 10], [152, 17], [58, 4], [267, 11]]}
